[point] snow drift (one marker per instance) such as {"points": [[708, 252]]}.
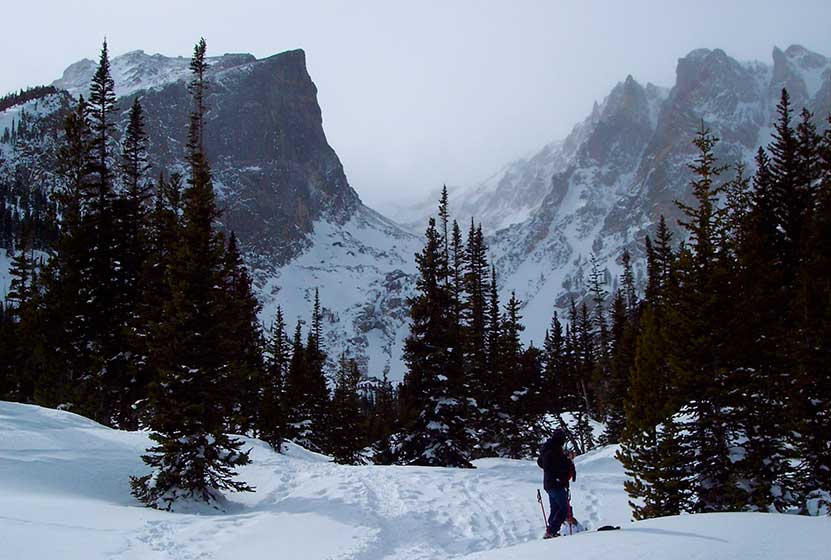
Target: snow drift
{"points": [[64, 493]]}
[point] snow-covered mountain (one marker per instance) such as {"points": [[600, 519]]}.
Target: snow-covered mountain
{"points": [[285, 193], [605, 186], [282, 188], [64, 493]]}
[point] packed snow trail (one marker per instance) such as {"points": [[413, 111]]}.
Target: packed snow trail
{"points": [[64, 493]]}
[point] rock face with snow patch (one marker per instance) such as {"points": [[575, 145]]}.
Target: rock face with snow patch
{"points": [[282, 189]]}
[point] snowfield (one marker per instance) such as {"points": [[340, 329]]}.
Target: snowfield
{"points": [[64, 494]]}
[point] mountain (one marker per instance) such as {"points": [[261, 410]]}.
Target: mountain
{"points": [[303, 226], [281, 186], [604, 187]]}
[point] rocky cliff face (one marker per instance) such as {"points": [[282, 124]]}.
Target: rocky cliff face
{"points": [[282, 189], [274, 172]]}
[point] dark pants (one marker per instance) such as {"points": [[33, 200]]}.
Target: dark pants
{"points": [[558, 502]]}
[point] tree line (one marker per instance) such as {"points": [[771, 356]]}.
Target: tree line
{"points": [[141, 315], [729, 404], [715, 382]]}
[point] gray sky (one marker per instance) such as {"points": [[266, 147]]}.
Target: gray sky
{"points": [[416, 94]]}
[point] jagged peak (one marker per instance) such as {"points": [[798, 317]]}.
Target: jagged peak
{"points": [[805, 57], [697, 55]]}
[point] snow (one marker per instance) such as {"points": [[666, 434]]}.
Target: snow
{"points": [[738, 536], [135, 71], [364, 270], [64, 494]]}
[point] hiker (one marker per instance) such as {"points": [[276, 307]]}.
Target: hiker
{"points": [[558, 471]]}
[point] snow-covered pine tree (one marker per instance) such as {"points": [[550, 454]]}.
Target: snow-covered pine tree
{"points": [[698, 359], [481, 378], [761, 392], [813, 349], [193, 457], [64, 279], [307, 391], [104, 310], [520, 391], [436, 433], [22, 311], [383, 422]]}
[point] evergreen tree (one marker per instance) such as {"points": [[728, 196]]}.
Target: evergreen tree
{"points": [[130, 243], [813, 348], [697, 356], [347, 436], [244, 341], [193, 457], [65, 285], [383, 422], [271, 420], [317, 386], [105, 313], [433, 387]]}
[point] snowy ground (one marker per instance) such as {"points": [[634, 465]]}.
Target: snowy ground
{"points": [[64, 494]]}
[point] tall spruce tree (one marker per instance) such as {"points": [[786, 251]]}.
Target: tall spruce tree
{"points": [[64, 280], [436, 434], [813, 345], [130, 244], [347, 437], [271, 419], [105, 314], [697, 356], [243, 340], [193, 457]]}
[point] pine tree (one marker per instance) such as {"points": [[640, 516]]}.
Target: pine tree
{"points": [[193, 458], [318, 390], [813, 347], [514, 390], [271, 420], [434, 383], [307, 392], [697, 357], [347, 435], [243, 340], [65, 286], [105, 313], [21, 312], [383, 422], [130, 243]]}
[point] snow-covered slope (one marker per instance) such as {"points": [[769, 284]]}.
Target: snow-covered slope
{"points": [[365, 271], [64, 493], [605, 186], [737, 536], [136, 70]]}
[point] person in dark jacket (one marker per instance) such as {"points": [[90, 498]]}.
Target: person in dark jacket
{"points": [[558, 471]]}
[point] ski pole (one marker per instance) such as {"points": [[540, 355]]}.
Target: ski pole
{"points": [[544, 517], [570, 513]]}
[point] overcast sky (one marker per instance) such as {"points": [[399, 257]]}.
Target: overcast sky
{"points": [[416, 94]]}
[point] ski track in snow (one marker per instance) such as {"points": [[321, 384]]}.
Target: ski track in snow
{"points": [[65, 476], [64, 494]]}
